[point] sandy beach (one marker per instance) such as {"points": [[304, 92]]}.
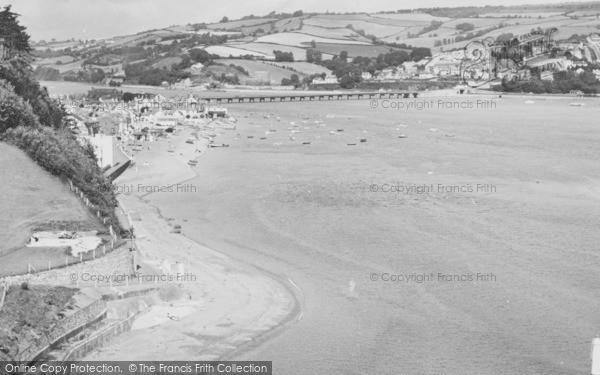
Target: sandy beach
{"points": [[227, 306]]}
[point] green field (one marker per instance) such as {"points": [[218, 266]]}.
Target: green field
{"points": [[353, 50], [258, 70]]}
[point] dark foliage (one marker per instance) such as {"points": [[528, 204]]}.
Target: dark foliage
{"points": [[59, 152], [18, 73]]}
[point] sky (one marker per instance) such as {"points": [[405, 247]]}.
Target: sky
{"points": [[96, 19]]}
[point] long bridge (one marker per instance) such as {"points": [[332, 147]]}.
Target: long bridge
{"points": [[312, 97]]}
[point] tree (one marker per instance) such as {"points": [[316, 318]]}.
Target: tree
{"points": [[294, 80], [298, 13], [283, 56], [348, 82], [344, 55], [200, 55], [505, 37], [14, 34], [419, 53], [224, 19], [314, 56], [97, 75], [14, 111], [128, 96], [465, 26], [47, 74]]}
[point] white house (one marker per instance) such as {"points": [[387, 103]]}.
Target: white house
{"points": [[183, 84], [196, 68], [328, 80], [103, 148]]}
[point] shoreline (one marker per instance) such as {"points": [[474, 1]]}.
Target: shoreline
{"points": [[225, 286], [234, 92]]}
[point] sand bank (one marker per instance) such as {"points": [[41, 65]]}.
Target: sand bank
{"points": [[227, 305]]}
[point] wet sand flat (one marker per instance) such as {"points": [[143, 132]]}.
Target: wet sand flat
{"points": [[320, 214]]}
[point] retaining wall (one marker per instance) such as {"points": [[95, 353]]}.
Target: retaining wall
{"points": [[103, 336], [118, 262], [64, 329], [3, 290]]}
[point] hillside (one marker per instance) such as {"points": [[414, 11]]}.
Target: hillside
{"points": [[359, 35], [49, 200]]}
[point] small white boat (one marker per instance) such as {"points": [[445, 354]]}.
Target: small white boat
{"points": [[576, 104]]}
